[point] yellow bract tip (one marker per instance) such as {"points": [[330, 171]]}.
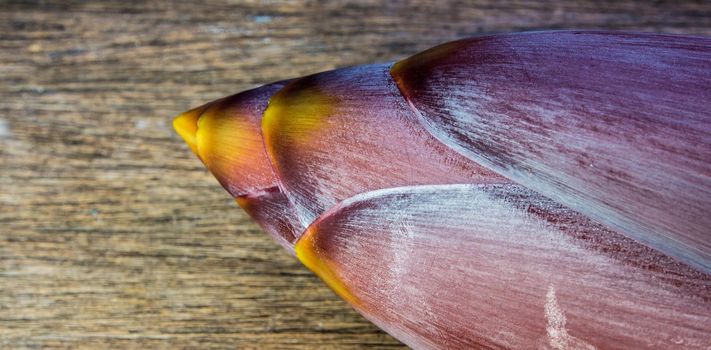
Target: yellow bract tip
{"points": [[296, 112], [307, 253], [186, 126], [243, 202]]}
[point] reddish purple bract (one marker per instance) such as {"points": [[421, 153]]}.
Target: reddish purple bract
{"points": [[534, 190]]}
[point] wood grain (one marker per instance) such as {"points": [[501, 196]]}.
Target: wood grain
{"points": [[112, 235]]}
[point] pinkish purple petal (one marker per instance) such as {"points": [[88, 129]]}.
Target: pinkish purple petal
{"points": [[339, 133], [614, 125], [499, 266]]}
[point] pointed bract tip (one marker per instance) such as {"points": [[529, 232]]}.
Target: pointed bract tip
{"points": [[186, 125], [307, 252]]}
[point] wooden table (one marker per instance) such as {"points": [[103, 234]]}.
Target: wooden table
{"points": [[112, 235]]}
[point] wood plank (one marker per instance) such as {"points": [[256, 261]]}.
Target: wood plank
{"points": [[112, 235]]}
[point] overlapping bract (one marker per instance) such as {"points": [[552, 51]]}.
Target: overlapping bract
{"points": [[226, 135], [527, 190], [336, 134], [535, 273], [615, 126]]}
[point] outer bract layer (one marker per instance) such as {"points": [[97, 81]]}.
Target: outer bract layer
{"points": [[333, 135], [500, 266], [614, 125], [539, 190]]}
